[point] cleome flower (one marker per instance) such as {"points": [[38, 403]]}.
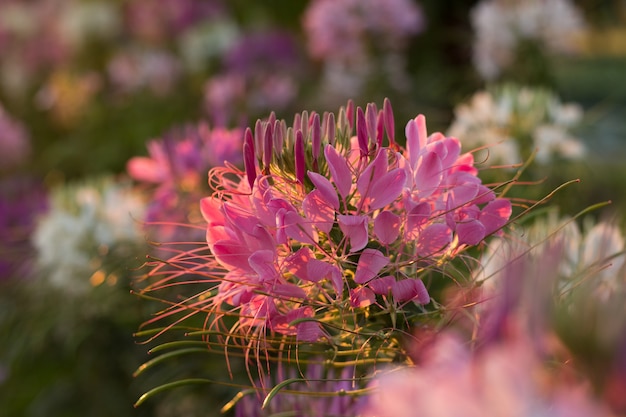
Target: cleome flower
{"points": [[327, 239]]}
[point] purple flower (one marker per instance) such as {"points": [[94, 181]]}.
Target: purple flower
{"points": [[22, 201]]}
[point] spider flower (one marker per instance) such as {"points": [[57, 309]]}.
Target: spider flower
{"points": [[174, 169], [326, 236]]}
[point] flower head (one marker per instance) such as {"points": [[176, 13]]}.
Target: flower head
{"points": [[326, 236]]}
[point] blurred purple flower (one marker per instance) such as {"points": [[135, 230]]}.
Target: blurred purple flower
{"points": [[22, 200], [161, 20], [178, 165], [258, 77], [14, 141]]}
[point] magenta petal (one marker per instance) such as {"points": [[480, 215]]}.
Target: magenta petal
{"points": [[362, 297], [382, 286], [470, 232], [377, 168], [386, 189], [232, 253], [262, 262], [339, 170], [433, 238], [297, 227], [309, 331], [326, 188], [427, 175], [495, 214], [410, 289], [146, 169], [416, 137], [371, 262], [320, 214], [355, 229], [210, 208], [298, 261], [288, 291], [416, 218], [387, 227]]}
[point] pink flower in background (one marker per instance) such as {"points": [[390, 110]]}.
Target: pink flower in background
{"points": [[22, 201], [14, 141], [506, 379], [360, 43], [259, 74], [158, 21], [131, 70], [341, 29], [174, 172]]}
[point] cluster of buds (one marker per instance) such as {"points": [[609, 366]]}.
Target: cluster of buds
{"points": [[326, 237]]}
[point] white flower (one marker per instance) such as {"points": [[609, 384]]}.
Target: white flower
{"points": [[512, 121], [500, 25], [84, 223]]}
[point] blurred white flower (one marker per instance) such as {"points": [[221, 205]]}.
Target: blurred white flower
{"points": [[511, 121], [81, 21], [86, 222], [500, 25]]}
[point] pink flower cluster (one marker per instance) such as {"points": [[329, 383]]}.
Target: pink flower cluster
{"points": [[322, 223], [351, 23], [175, 165]]}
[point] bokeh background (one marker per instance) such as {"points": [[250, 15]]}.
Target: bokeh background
{"points": [[111, 107]]}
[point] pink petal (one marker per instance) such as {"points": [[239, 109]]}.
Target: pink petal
{"points": [[262, 262], [433, 238], [416, 219], [470, 232], [362, 297], [416, 137], [325, 188], [339, 170], [355, 229], [210, 208], [239, 218], [376, 169], [288, 291], [410, 289], [427, 175], [387, 227], [146, 169], [371, 262], [309, 331], [296, 227], [318, 212], [387, 188], [495, 214], [231, 253], [382, 286]]}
